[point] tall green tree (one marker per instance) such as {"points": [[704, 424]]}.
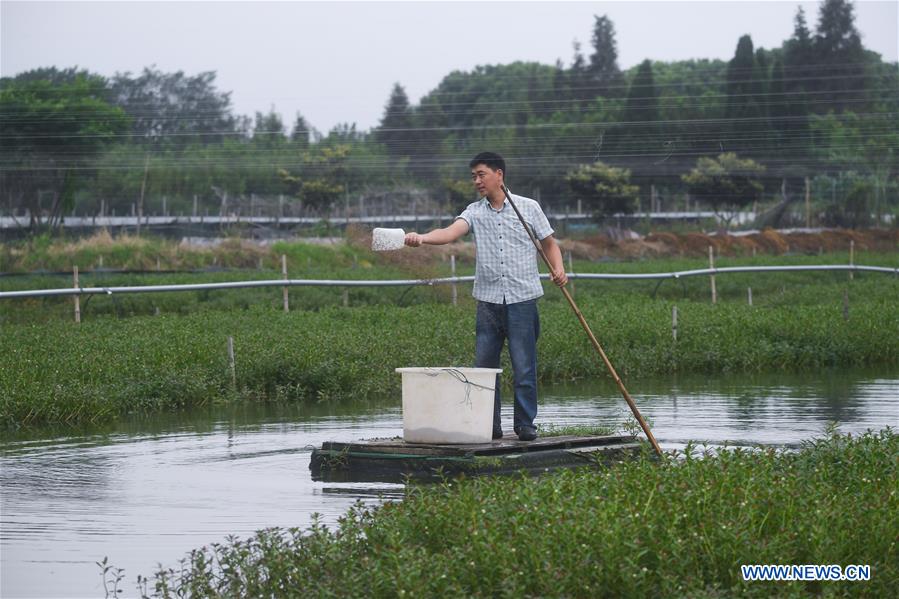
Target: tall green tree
{"points": [[301, 133], [798, 53], [839, 52], [779, 111], [173, 108], [579, 85], [603, 69], [642, 104], [789, 111], [395, 130], [269, 129], [641, 111], [745, 116], [641, 144], [52, 133]]}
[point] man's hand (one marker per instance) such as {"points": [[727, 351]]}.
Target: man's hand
{"points": [[414, 240], [559, 277]]}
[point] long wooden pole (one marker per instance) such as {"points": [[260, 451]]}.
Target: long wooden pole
{"points": [[284, 276], [596, 345], [143, 187], [77, 299]]}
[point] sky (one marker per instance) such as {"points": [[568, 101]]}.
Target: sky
{"points": [[336, 62]]}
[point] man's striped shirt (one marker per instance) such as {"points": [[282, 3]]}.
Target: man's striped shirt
{"points": [[506, 267]]}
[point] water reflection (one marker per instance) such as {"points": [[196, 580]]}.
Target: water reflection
{"points": [[148, 490]]}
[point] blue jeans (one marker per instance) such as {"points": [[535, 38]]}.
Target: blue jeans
{"points": [[520, 324]]}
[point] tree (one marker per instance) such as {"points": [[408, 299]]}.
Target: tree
{"points": [[789, 113], [269, 129], [743, 111], [837, 48], [603, 69], [779, 111], [641, 111], [98, 84], [174, 108], [603, 189], [642, 104], [51, 133], [301, 132], [322, 179], [395, 130], [578, 79], [865, 146], [798, 51], [836, 33], [578, 62], [853, 211], [459, 193], [726, 183]]}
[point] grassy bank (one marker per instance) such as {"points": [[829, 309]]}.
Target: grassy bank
{"points": [[62, 373], [639, 529]]}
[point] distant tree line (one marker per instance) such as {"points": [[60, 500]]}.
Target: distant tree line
{"points": [[820, 113]]}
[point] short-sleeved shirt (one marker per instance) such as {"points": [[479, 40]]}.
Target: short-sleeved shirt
{"points": [[506, 266]]}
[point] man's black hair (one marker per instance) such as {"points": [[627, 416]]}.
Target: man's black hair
{"points": [[491, 160]]}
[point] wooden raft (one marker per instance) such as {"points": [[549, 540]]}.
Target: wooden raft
{"points": [[393, 460]]}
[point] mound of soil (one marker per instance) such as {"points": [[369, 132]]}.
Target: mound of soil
{"points": [[767, 241]]}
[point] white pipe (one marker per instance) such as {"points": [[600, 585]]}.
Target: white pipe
{"points": [[411, 282]]}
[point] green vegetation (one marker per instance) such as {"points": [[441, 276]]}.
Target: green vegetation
{"points": [[125, 359], [551, 430], [122, 359], [643, 528], [818, 107], [725, 183], [604, 190], [38, 123]]}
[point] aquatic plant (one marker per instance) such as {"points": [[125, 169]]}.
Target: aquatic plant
{"points": [[678, 528], [64, 373]]}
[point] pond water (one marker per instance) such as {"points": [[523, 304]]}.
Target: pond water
{"points": [[147, 491]]}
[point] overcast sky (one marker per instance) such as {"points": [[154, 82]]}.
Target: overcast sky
{"points": [[337, 61]]}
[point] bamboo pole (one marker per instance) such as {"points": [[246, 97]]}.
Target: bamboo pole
{"points": [[808, 209], [453, 272], [77, 298], [674, 322], [284, 276], [712, 277], [592, 337], [231, 363], [143, 188]]}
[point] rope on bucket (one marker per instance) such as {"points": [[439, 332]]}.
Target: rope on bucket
{"points": [[459, 376]]}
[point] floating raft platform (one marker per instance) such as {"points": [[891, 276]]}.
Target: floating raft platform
{"points": [[393, 460]]}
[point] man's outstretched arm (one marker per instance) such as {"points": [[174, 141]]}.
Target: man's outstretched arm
{"points": [[439, 236]]}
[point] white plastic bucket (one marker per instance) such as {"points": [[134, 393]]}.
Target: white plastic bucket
{"points": [[448, 404]]}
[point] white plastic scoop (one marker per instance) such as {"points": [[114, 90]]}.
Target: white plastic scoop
{"points": [[383, 240]]}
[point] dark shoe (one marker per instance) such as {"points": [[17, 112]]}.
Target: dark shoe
{"points": [[527, 433], [497, 434]]}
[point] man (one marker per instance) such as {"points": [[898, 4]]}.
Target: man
{"points": [[507, 282]]}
